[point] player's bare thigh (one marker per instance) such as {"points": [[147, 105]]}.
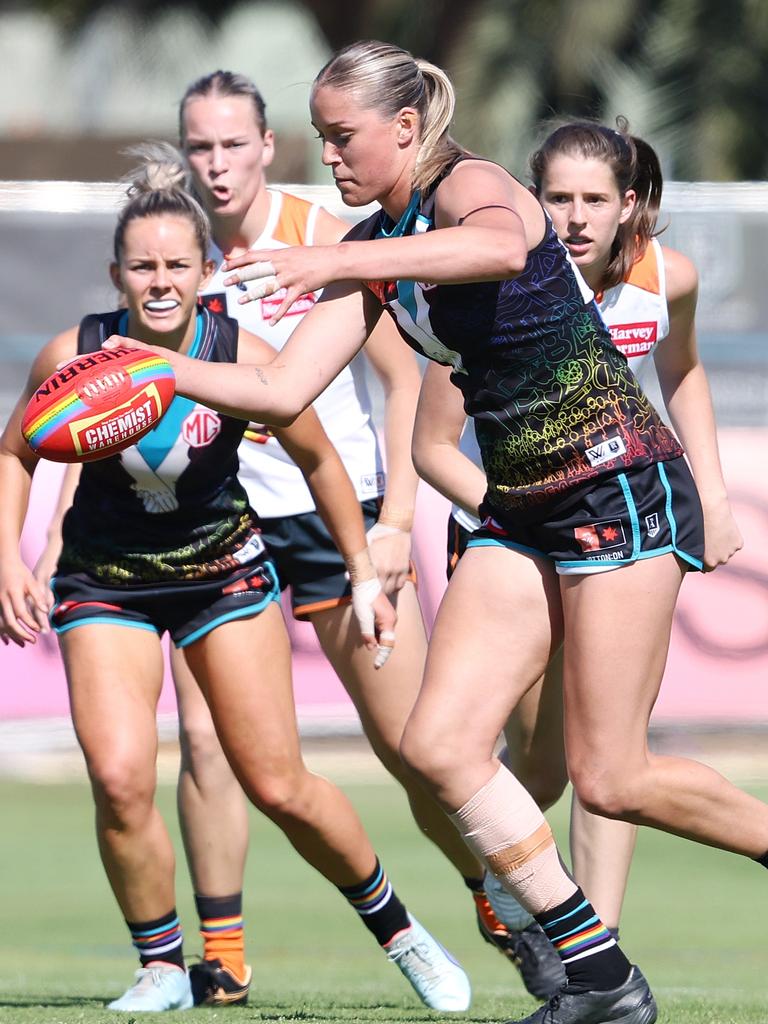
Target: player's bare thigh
{"points": [[495, 631]]}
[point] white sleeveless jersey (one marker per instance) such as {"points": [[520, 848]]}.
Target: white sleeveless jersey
{"points": [[637, 316], [274, 482]]}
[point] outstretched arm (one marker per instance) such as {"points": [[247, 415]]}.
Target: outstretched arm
{"points": [[283, 385], [440, 421], [689, 403], [487, 222]]}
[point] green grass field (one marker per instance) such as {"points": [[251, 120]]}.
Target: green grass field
{"points": [[694, 919]]}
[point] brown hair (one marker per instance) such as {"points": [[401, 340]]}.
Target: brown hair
{"points": [[634, 164], [158, 186], [386, 78]]}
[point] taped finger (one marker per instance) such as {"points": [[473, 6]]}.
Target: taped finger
{"points": [[252, 271], [261, 288], [386, 646]]}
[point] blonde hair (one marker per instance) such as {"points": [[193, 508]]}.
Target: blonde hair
{"points": [[386, 78], [159, 185]]}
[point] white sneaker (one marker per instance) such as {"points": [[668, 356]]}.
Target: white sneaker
{"points": [[505, 906], [157, 987], [439, 981]]}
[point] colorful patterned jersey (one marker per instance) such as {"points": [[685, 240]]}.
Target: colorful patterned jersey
{"points": [[169, 507], [554, 403]]}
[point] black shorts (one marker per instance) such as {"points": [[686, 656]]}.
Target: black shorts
{"points": [[615, 521], [309, 562], [458, 538], [188, 609]]}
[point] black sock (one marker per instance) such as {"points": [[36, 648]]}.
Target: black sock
{"points": [[377, 904], [475, 884], [590, 955], [763, 860], [160, 939]]}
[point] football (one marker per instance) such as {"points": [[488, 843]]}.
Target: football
{"points": [[97, 404]]}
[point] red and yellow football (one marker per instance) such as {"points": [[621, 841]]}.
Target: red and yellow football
{"points": [[97, 404]]}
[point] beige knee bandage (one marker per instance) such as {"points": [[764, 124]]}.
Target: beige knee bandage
{"points": [[503, 826]]}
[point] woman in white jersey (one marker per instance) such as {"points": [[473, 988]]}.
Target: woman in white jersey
{"points": [[602, 189], [228, 146]]}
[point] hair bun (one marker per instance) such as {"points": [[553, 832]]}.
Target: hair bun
{"points": [[161, 169]]}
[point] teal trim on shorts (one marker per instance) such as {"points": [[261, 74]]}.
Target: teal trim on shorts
{"points": [[238, 613], [619, 563], [492, 542], [104, 619], [668, 507], [633, 518]]}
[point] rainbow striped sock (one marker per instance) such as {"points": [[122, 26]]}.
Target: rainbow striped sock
{"points": [[590, 954], [376, 902], [158, 940]]}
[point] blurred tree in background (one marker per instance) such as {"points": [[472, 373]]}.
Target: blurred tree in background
{"points": [[691, 75]]}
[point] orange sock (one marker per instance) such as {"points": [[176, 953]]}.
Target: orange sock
{"points": [[221, 926]]}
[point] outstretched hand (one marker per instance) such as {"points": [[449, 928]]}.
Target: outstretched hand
{"points": [[288, 273]]}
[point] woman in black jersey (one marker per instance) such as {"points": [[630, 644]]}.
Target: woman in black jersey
{"points": [[160, 537], [590, 520]]}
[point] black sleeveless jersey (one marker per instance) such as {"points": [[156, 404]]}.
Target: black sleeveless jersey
{"points": [[169, 507], [553, 401]]}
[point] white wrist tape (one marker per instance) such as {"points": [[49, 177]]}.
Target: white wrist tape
{"points": [[364, 594], [382, 530]]}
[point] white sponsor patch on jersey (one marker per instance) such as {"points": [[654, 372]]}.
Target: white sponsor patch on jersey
{"points": [[250, 551], [606, 451]]}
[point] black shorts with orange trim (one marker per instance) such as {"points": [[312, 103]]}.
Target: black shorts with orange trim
{"points": [[309, 562], [618, 519]]}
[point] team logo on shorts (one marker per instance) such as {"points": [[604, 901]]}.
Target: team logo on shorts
{"points": [[606, 451], [599, 536], [652, 524]]}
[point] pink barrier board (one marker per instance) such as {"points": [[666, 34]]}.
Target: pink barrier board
{"points": [[718, 661]]}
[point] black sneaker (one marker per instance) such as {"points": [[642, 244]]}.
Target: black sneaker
{"points": [[538, 961], [214, 985], [529, 950], [630, 1003]]}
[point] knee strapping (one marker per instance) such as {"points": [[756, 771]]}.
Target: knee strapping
{"points": [[503, 826]]}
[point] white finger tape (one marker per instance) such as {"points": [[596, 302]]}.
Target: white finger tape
{"points": [[264, 268], [265, 286]]}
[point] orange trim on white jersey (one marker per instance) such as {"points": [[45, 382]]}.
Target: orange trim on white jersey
{"points": [[295, 221], [645, 271]]}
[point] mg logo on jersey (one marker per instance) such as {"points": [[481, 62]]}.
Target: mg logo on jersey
{"points": [[634, 339], [201, 427], [607, 450], [652, 524]]}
